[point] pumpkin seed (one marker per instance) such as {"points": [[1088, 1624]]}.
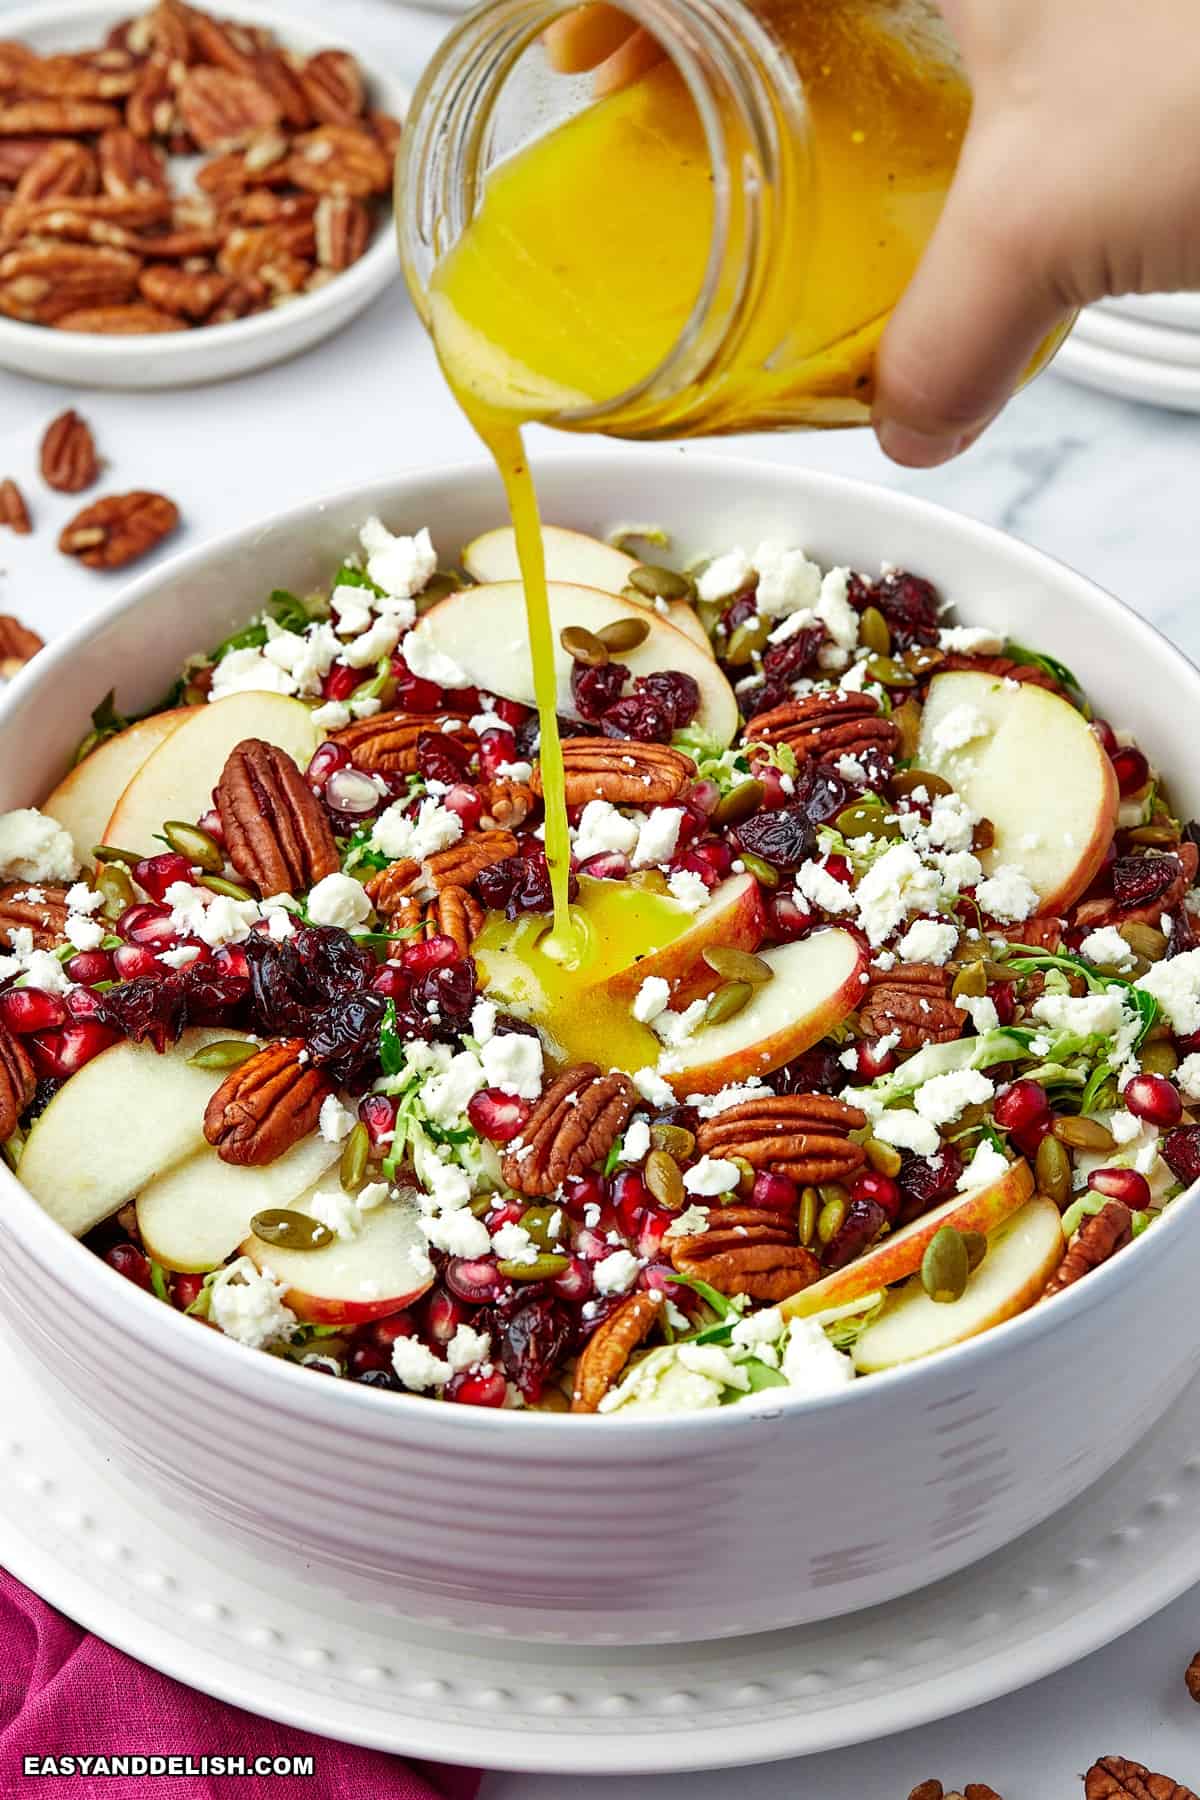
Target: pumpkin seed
{"points": [[737, 965], [658, 583], [1154, 833], [970, 982], [1052, 1167], [542, 1268], [676, 1140], [907, 781], [652, 880], [664, 1180], [193, 695], [1159, 1059], [945, 1266], [544, 1225], [290, 1230], [806, 1224], [624, 634], [976, 1247], [765, 873], [866, 818], [727, 1002], [984, 835], [108, 853], [583, 646], [746, 1174], [890, 673], [217, 884], [226, 1053], [885, 1159], [923, 657], [874, 632], [1083, 1134], [747, 641], [833, 1190], [829, 1220], [1145, 940], [907, 720], [710, 614], [200, 847], [738, 803], [353, 1167], [117, 889]]}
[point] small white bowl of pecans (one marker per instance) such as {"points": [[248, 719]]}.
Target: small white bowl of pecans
{"points": [[185, 198]]}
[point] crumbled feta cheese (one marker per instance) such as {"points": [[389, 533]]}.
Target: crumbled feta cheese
{"points": [[425, 660], [970, 640], [674, 1028], [379, 640], [446, 1096], [1188, 1077], [615, 1273], [337, 1212], [84, 933], [757, 1328], [986, 1166], [735, 1093], [339, 900], [434, 828], [906, 1130], [416, 1366], [1176, 987], [961, 725], [1125, 1126], [636, 1143], [483, 1021], [35, 848], [467, 1348], [691, 1222], [686, 887], [710, 1176], [43, 970], [512, 1243], [981, 1010], [457, 1232], [943, 1097], [657, 837], [602, 828], [928, 941], [651, 999], [851, 769], [786, 580], [960, 870], [247, 1304], [335, 1121], [811, 1364], [836, 613], [899, 883], [725, 576], [332, 716], [1107, 949], [245, 671], [714, 1362], [80, 898], [1091, 1014], [400, 565], [180, 956], [371, 1195], [349, 605], [513, 1063], [822, 889], [653, 1088], [951, 823], [1007, 895]]}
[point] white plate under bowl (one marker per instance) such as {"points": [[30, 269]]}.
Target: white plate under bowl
{"points": [[1182, 311], [206, 352], [196, 1607], [1131, 377], [1139, 338]]}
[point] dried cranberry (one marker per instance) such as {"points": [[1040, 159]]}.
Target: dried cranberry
{"points": [[743, 606], [816, 1071], [442, 756], [375, 1378], [925, 1181], [864, 1220], [677, 693], [1139, 880], [785, 838], [761, 697], [1181, 1153], [529, 1335], [149, 1009], [640, 716], [445, 997], [519, 884], [497, 884], [684, 1118], [821, 792], [910, 606], [795, 657], [343, 1038], [595, 690]]}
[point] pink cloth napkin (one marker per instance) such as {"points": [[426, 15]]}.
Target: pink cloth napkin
{"points": [[64, 1692]]}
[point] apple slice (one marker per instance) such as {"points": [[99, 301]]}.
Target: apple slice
{"points": [[84, 799], [195, 1215], [815, 983], [123, 1118], [898, 1256], [1035, 769], [733, 917], [178, 779], [484, 631], [382, 1270], [574, 557], [1022, 1255]]}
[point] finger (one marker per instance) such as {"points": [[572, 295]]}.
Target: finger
{"points": [[980, 305], [585, 37], [629, 63]]}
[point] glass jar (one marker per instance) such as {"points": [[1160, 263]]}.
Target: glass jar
{"points": [[715, 248]]}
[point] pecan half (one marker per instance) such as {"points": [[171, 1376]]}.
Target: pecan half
{"points": [[56, 118], [16, 155], [576, 1122], [455, 913], [333, 84], [17, 1081], [343, 230], [610, 1347], [13, 511], [801, 1135], [621, 771], [340, 159], [1000, 666], [253, 249], [387, 743], [46, 918], [276, 831], [1116, 1778], [223, 111], [1043, 933], [129, 165], [915, 1002], [18, 645], [747, 1250], [61, 168], [454, 867], [68, 454], [1191, 1677], [150, 110], [111, 221], [40, 282], [179, 291], [506, 804], [109, 75], [116, 530], [1097, 1239], [275, 74], [133, 320], [265, 1105], [823, 727], [387, 131]]}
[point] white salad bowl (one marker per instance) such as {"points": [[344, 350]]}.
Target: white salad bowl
{"points": [[614, 1529]]}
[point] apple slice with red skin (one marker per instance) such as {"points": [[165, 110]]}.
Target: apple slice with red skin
{"points": [[815, 982], [84, 799], [1036, 769], [193, 1217], [899, 1255], [733, 918], [1023, 1253], [326, 1287]]}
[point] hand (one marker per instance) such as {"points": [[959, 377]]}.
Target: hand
{"points": [[1079, 177], [597, 36]]}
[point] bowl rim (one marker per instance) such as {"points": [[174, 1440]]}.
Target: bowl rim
{"points": [[360, 1411], [363, 280]]}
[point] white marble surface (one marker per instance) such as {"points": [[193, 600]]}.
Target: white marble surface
{"points": [[1108, 486]]}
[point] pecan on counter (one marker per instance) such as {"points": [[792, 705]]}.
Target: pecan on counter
{"points": [[1116, 1778], [68, 454], [117, 530]]}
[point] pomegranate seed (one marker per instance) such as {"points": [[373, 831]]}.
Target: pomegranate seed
{"points": [[325, 759], [378, 1114], [1155, 1099], [651, 1231], [474, 1388], [391, 981], [413, 692], [505, 1212], [609, 865], [365, 1358], [89, 966], [128, 1261], [1131, 769], [186, 1290], [1020, 1105], [349, 791], [132, 960], [775, 793], [497, 1116], [27, 1009], [703, 796], [474, 1278], [1107, 736], [233, 962], [424, 954], [840, 869], [467, 802], [496, 747], [575, 1283], [512, 712], [1122, 1184], [443, 1316], [590, 1244], [1004, 998], [885, 1192], [874, 1061], [69, 1049], [211, 822], [83, 1004], [384, 1332], [157, 873], [787, 919], [630, 1200], [468, 701], [659, 1278], [710, 860], [778, 1192], [340, 682], [580, 1191], [145, 923]]}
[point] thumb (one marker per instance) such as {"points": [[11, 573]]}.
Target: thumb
{"points": [[971, 321]]}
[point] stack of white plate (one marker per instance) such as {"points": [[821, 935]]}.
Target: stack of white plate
{"points": [[1143, 347]]}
